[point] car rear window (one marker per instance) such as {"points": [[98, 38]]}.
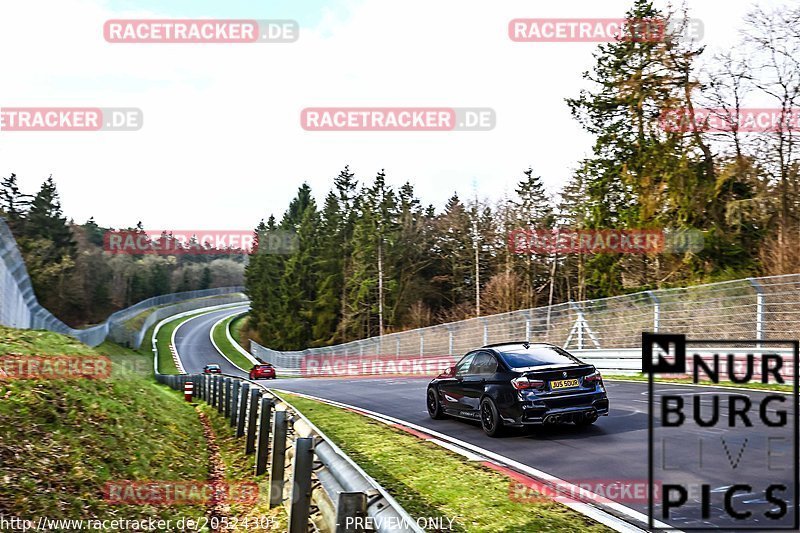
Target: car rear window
{"points": [[537, 356]]}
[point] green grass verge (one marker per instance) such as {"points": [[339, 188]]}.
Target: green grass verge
{"points": [[166, 365], [137, 321], [758, 386], [219, 334], [241, 468], [236, 329], [62, 440], [429, 481]]}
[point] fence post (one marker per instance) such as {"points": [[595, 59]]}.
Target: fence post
{"points": [[450, 341], [656, 310], [250, 441], [262, 448], [421, 343], [301, 485], [278, 459], [233, 401], [759, 308], [351, 505], [244, 393]]}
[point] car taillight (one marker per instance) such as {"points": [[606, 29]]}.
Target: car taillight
{"points": [[594, 377], [524, 383]]}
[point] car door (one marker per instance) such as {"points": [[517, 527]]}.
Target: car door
{"points": [[482, 369], [451, 388]]}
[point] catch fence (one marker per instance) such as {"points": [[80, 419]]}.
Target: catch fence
{"points": [[606, 329]]}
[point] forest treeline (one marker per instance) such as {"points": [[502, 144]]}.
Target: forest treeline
{"points": [[373, 259], [75, 279]]}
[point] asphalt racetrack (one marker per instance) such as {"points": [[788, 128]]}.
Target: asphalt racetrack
{"points": [[614, 448]]}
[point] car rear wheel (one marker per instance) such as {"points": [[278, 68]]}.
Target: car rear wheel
{"points": [[434, 407], [490, 418]]}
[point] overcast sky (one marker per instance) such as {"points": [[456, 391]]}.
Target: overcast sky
{"points": [[222, 146]]}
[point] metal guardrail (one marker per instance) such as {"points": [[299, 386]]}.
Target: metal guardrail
{"points": [[122, 334], [746, 309], [324, 489]]}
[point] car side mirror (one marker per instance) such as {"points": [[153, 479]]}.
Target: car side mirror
{"points": [[449, 373]]}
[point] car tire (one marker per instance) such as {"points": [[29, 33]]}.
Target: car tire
{"points": [[491, 422], [434, 406]]}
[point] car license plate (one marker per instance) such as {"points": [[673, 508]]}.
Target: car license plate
{"points": [[563, 384]]}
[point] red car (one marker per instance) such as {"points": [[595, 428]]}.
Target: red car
{"points": [[265, 371]]}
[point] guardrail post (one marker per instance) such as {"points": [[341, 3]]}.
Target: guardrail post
{"points": [[233, 401], [226, 408], [242, 410], [212, 396], [278, 459], [485, 333], [262, 447], [221, 395], [351, 505], [252, 411], [301, 485]]}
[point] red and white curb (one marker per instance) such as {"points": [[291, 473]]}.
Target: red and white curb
{"points": [[175, 358], [609, 513]]}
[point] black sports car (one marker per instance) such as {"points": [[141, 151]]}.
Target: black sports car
{"points": [[519, 384]]}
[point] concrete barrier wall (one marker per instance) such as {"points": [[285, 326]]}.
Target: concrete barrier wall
{"points": [[19, 307]]}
